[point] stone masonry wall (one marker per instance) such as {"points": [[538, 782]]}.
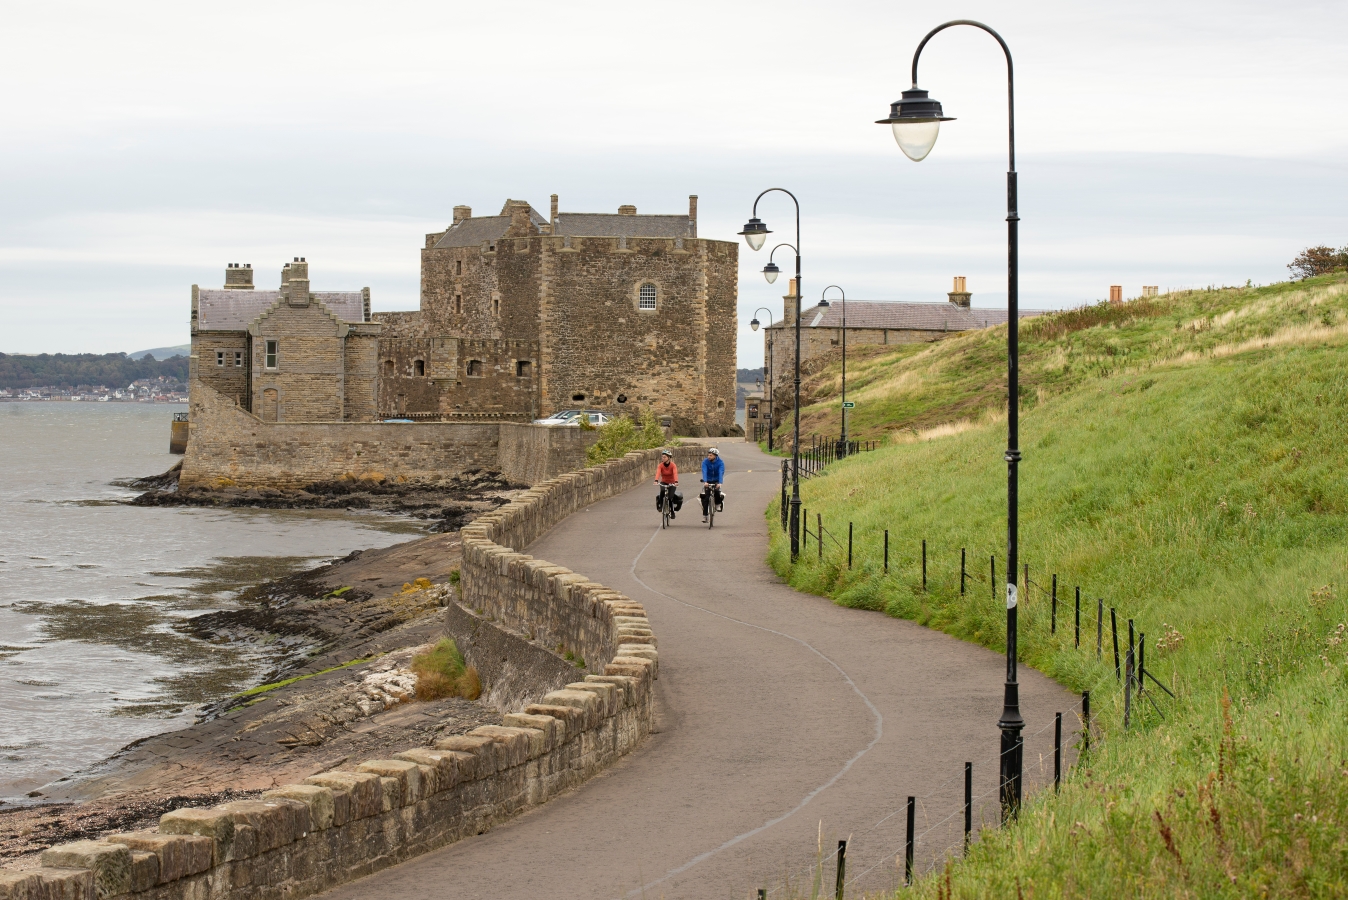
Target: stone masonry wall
{"points": [[341, 825]]}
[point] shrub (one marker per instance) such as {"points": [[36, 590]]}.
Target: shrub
{"points": [[1319, 260], [442, 673], [620, 436]]}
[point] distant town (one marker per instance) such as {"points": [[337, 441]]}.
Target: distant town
{"points": [[99, 378], [164, 389]]}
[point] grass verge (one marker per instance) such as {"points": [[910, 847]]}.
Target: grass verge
{"points": [[441, 672], [1192, 477]]}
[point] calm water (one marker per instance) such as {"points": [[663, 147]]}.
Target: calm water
{"points": [[90, 588]]}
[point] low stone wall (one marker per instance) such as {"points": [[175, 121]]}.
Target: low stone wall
{"points": [[338, 826], [229, 445], [514, 670]]}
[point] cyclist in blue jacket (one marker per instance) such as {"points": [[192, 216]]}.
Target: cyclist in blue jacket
{"points": [[713, 475]]}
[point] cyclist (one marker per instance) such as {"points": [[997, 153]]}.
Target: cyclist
{"points": [[713, 475], [667, 473]]}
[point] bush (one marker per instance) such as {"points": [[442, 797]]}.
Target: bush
{"points": [[442, 673], [1319, 260], [621, 436]]}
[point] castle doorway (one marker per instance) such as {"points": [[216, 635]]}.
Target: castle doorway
{"points": [[270, 405]]}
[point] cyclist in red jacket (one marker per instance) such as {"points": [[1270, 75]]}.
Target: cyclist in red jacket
{"points": [[667, 473]]}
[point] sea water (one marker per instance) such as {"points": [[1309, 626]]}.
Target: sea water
{"points": [[90, 587]]}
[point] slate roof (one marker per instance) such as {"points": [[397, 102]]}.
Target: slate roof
{"points": [[471, 232], [616, 225], [912, 316], [221, 310]]}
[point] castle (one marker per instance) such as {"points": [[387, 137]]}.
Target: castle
{"points": [[521, 316]]}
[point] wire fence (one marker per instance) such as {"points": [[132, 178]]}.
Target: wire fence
{"points": [[1093, 626]]}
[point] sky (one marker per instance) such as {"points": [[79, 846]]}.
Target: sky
{"points": [[146, 145]]}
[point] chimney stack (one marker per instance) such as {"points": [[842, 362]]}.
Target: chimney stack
{"points": [[627, 209], [553, 217], [296, 282], [461, 213], [960, 296], [239, 277], [789, 304], [521, 224], [692, 213], [1116, 293]]}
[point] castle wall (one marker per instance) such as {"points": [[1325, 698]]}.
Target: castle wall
{"points": [[360, 374], [229, 379], [720, 269], [309, 367], [229, 444]]}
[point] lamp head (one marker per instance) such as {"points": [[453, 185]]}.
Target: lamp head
{"points": [[770, 271], [916, 121], [753, 323], [755, 234], [823, 302]]}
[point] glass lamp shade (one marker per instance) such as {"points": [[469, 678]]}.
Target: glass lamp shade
{"points": [[916, 139], [755, 233], [916, 121], [770, 271], [753, 323]]}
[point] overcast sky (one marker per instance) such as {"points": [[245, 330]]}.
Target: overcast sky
{"points": [[145, 145]]}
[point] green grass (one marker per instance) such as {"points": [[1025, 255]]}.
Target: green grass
{"points": [[441, 672], [264, 688], [1193, 477]]}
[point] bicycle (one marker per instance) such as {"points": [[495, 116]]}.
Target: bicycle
{"points": [[666, 503], [710, 492]]}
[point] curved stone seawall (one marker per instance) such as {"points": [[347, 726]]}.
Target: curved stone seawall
{"points": [[341, 825]]}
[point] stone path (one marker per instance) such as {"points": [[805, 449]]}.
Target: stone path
{"points": [[782, 717]]}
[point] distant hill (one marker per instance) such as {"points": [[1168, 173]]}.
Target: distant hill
{"points": [[69, 371], [162, 353]]}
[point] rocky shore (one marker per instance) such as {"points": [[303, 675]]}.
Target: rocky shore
{"points": [[447, 505], [338, 640]]}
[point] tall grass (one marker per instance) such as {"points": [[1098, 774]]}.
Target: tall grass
{"points": [[1201, 491]]}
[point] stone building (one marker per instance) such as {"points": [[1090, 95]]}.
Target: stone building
{"points": [[288, 355], [868, 323], [523, 315]]}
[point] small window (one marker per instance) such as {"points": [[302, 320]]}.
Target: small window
{"points": [[388, 367], [622, 398], [578, 398], [458, 303], [720, 404], [753, 410], [458, 267], [238, 359], [271, 354], [496, 304], [524, 368], [220, 358], [646, 297], [419, 367], [474, 367]]}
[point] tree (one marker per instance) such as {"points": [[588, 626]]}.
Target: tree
{"points": [[1319, 260]]}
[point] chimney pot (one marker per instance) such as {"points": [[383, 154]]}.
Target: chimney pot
{"points": [[553, 218], [1116, 293], [461, 213], [960, 296]]}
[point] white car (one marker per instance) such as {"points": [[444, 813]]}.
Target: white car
{"points": [[561, 417]]}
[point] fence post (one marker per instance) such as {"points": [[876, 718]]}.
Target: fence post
{"points": [[1085, 721], [994, 577], [1077, 638], [1114, 631], [1053, 620], [961, 571], [1132, 645], [908, 846], [1099, 626], [1027, 582], [886, 551], [1057, 752], [1128, 690], [849, 545], [842, 870], [924, 565], [1141, 661], [968, 802], [819, 533]]}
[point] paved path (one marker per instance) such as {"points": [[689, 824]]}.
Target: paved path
{"points": [[780, 715]]}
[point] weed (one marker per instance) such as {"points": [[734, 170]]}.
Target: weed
{"points": [[441, 672]]}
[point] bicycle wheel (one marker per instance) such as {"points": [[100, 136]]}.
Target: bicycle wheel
{"points": [[711, 509]]}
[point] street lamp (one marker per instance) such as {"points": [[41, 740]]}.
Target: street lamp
{"points": [[755, 235], [753, 323], [916, 120], [823, 301]]}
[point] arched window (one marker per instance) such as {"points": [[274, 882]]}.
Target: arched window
{"points": [[388, 367], [646, 297]]}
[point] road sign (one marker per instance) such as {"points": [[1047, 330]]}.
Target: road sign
{"points": [[848, 404]]}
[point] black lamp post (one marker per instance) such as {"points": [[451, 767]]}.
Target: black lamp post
{"points": [[823, 301], [753, 323], [755, 235], [916, 119]]}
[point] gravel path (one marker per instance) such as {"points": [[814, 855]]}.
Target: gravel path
{"points": [[781, 717]]}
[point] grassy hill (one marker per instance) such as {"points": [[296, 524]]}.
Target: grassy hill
{"points": [[1184, 459]]}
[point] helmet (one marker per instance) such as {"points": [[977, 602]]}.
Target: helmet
{"points": [[665, 452], [715, 451]]}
